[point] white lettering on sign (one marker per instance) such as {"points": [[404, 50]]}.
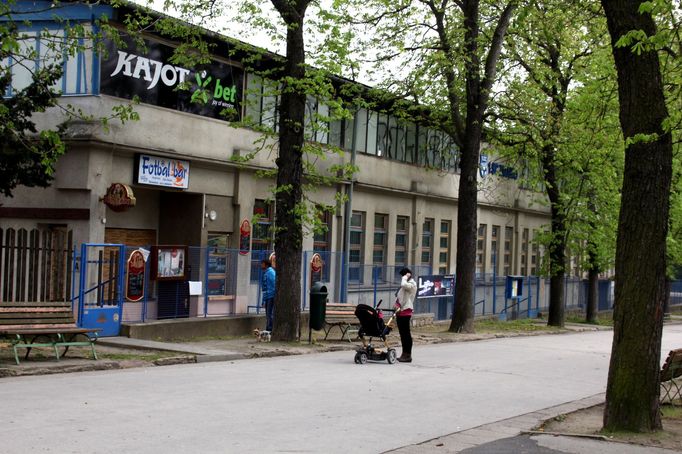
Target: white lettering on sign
{"points": [[150, 70], [157, 171]]}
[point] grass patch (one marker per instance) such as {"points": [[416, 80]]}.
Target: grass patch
{"points": [[523, 325], [150, 357], [602, 320], [672, 411]]}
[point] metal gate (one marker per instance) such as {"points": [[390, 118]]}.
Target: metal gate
{"points": [[100, 291]]}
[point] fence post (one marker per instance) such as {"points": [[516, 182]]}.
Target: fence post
{"points": [[206, 261], [305, 279], [374, 279], [494, 278]]}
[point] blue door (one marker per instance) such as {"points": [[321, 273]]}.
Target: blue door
{"points": [[101, 286]]}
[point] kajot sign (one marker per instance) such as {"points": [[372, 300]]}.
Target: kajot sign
{"points": [[212, 90]]}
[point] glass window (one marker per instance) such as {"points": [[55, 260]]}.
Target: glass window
{"points": [[254, 97], [372, 125], [508, 249], [480, 250], [322, 135], [411, 143], [322, 246], [261, 237], [361, 134], [383, 136], [356, 246], [495, 248], [427, 242], [221, 266], [444, 248], [401, 236], [380, 243]]}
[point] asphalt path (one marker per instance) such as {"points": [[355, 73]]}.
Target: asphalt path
{"points": [[321, 403]]}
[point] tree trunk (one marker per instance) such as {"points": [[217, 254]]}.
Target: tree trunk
{"points": [[288, 221], [467, 216], [592, 290], [632, 393], [477, 95], [467, 224], [557, 247], [593, 273]]}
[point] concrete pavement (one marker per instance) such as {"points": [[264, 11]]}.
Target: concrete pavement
{"points": [[351, 407]]}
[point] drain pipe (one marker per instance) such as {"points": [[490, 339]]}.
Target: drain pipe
{"points": [[347, 216]]}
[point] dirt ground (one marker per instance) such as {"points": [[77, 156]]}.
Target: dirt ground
{"points": [[589, 422]]}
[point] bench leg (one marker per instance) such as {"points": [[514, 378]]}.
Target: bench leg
{"points": [[16, 355]]}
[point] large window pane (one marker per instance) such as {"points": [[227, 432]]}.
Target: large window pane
{"points": [[372, 133]]}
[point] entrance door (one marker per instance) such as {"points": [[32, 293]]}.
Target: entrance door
{"points": [[100, 291]]}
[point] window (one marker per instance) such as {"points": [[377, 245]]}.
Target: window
{"points": [[38, 49], [495, 248], [508, 249], [480, 250], [524, 252], [316, 124], [427, 242], [321, 245], [401, 239], [357, 240], [262, 102], [444, 248], [220, 265], [261, 239], [380, 243]]}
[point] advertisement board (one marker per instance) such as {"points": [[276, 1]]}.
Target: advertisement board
{"points": [[212, 90], [435, 285], [159, 171]]}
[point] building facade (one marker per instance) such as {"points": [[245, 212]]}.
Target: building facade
{"points": [[177, 164]]}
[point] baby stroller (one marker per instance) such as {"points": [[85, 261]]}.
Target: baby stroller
{"points": [[372, 324]]}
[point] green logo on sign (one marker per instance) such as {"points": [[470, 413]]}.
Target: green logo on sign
{"points": [[220, 93]]}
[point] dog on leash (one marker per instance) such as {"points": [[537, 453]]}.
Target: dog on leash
{"points": [[262, 335]]}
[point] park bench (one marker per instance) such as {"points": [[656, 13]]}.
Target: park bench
{"points": [[50, 325], [672, 368], [343, 316]]}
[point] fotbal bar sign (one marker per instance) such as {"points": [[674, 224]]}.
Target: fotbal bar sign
{"points": [[158, 171]]}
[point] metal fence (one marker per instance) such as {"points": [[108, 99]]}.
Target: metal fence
{"points": [[226, 282]]}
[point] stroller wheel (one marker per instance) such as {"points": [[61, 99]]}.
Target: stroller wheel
{"points": [[357, 358], [391, 356], [362, 357]]}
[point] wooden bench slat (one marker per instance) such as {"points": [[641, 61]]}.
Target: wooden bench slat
{"points": [[33, 321], [54, 327], [37, 304], [33, 310], [19, 316]]}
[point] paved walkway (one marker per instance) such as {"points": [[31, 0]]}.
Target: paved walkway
{"points": [[505, 436]]}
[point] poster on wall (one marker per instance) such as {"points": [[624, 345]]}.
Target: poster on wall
{"points": [[169, 263], [135, 276], [435, 285], [211, 90], [244, 237]]}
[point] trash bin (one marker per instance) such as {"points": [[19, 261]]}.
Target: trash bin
{"points": [[318, 305]]}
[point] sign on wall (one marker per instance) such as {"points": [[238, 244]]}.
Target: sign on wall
{"points": [[244, 237], [159, 171], [135, 276], [212, 90], [119, 197], [435, 285]]}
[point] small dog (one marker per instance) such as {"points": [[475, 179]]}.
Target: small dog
{"points": [[262, 336]]}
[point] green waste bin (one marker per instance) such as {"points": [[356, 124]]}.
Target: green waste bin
{"points": [[318, 305]]}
